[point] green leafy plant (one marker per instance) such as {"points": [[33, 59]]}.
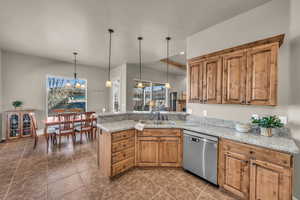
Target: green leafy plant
{"points": [[17, 104], [267, 122]]}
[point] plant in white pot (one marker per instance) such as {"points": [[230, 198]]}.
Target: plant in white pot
{"points": [[267, 124]]}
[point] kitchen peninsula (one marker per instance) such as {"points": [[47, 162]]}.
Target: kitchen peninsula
{"points": [[241, 155]]}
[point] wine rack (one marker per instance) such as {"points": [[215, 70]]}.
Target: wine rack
{"points": [[18, 124]]}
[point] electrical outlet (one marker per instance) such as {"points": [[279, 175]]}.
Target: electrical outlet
{"points": [[204, 113], [283, 119]]}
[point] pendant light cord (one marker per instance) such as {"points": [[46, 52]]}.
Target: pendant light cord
{"points": [[75, 66], [140, 40], [168, 39], [109, 54]]}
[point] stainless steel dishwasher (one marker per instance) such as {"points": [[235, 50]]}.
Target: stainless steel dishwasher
{"points": [[200, 155]]}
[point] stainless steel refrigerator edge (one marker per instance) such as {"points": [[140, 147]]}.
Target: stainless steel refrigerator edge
{"points": [[200, 155]]}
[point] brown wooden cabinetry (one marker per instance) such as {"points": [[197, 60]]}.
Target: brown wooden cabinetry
{"points": [[234, 77], [270, 181], [212, 74], [255, 173], [159, 147], [116, 152], [18, 124], [245, 74], [120, 151], [147, 151], [196, 82], [262, 75]]}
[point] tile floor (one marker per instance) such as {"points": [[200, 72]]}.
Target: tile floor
{"points": [[72, 173]]}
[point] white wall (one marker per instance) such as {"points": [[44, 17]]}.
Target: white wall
{"points": [[267, 20], [275, 17], [24, 78], [1, 97], [294, 107]]}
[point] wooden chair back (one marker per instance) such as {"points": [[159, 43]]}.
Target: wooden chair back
{"points": [[66, 122], [34, 124], [86, 119]]}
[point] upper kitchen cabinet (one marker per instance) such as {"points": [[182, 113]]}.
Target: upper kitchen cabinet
{"points": [[196, 82], [246, 74], [262, 75], [234, 77], [212, 74]]}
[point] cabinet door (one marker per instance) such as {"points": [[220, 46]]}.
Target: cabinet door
{"points": [[236, 174], [13, 125], [234, 78], [147, 151], [262, 75], [26, 125], [212, 80], [196, 84], [170, 151], [269, 181]]}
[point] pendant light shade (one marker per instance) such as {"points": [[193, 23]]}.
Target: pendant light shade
{"points": [[108, 82], [167, 84], [140, 84]]}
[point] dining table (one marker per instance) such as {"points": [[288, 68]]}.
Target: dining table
{"points": [[51, 125]]}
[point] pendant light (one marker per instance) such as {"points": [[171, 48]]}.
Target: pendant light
{"points": [[167, 85], [140, 84], [108, 82]]}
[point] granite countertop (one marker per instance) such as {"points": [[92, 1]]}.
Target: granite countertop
{"points": [[280, 143]]}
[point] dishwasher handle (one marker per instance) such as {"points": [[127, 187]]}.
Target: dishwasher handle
{"points": [[198, 139]]}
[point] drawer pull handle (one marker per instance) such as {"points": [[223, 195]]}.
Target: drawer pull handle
{"points": [[251, 152]]}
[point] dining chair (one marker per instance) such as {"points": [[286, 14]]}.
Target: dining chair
{"points": [[38, 132], [66, 126], [86, 125]]}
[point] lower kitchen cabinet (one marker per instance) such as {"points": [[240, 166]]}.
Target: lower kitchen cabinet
{"points": [[147, 151], [270, 181], [236, 174], [170, 151], [255, 173], [116, 152], [163, 150]]}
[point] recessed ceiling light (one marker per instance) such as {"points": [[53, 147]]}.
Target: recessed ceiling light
{"points": [[181, 53]]}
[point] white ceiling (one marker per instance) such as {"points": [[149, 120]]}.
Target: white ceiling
{"points": [[55, 28]]}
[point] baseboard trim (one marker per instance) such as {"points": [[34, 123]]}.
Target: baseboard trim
{"points": [[294, 198]]}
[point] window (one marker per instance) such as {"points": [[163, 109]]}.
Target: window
{"points": [[66, 95], [151, 92]]}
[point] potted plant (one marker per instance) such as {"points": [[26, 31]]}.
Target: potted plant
{"points": [[267, 124], [17, 104]]}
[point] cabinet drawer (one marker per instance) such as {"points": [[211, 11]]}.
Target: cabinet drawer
{"points": [[235, 147], [258, 153], [123, 144], [122, 166], [160, 132], [272, 156], [122, 135], [122, 155]]}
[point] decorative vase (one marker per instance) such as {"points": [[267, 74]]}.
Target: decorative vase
{"points": [[266, 131]]}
